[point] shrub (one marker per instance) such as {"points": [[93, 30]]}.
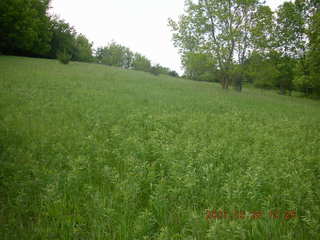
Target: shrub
{"points": [[64, 57], [155, 70]]}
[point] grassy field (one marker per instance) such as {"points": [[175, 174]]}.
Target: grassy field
{"points": [[94, 152]]}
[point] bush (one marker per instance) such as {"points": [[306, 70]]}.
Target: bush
{"points": [[64, 57], [154, 70], [173, 74]]}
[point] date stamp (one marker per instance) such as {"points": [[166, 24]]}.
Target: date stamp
{"points": [[254, 215]]}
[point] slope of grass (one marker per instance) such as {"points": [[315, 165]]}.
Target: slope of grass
{"points": [[94, 152]]}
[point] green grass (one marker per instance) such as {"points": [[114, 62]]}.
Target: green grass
{"points": [[94, 152]]}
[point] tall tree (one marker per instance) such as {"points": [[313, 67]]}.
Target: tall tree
{"points": [[24, 27], [297, 35], [116, 55], [83, 47], [63, 38], [141, 63], [262, 30], [217, 27], [199, 66], [290, 30], [314, 54]]}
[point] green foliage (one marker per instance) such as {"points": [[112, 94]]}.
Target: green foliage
{"points": [[173, 74], [24, 27], [263, 30], [83, 49], [64, 57], [262, 72], [63, 38], [229, 33], [290, 30], [120, 56], [200, 67], [314, 54], [116, 55], [155, 70], [141, 63], [86, 154], [162, 70], [302, 83], [220, 29]]}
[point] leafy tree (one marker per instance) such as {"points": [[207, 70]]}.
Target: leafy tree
{"points": [[285, 66], [262, 71], [305, 42], [155, 70], [83, 49], [314, 54], [262, 30], [173, 74], [64, 57], [116, 55], [99, 53], [24, 27], [141, 63], [217, 27], [158, 69], [290, 30], [63, 38], [199, 66]]}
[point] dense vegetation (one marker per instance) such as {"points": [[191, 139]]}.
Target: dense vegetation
{"points": [[26, 29], [120, 56], [95, 152], [98, 151], [238, 41]]}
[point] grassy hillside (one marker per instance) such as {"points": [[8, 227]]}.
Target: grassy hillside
{"points": [[94, 152]]}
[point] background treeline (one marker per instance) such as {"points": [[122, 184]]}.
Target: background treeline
{"points": [[120, 56], [238, 41], [26, 29]]}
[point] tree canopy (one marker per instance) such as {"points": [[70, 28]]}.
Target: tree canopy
{"points": [[271, 49]]}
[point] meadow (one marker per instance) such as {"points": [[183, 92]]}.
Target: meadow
{"points": [[95, 152]]}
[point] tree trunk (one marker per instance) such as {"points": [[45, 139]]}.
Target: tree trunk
{"points": [[239, 86], [225, 83]]}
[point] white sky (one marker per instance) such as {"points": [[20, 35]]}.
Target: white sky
{"points": [[140, 25]]}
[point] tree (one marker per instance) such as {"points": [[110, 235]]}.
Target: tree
{"points": [[217, 27], [298, 30], [199, 66], [285, 66], [115, 55], [262, 30], [24, 27], [173, 74], [290, 30], [141, 63], [83, 49], [261, 71], [99, 53], [63, 38], [314, 54], [158, 69]]}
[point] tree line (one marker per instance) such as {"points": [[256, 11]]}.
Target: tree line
{"points": [[26, 29], [117, 55], [237, 41]]}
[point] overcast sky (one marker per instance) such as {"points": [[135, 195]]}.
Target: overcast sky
{"points": [[140, 25]]}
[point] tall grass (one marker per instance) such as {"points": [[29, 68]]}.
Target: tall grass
{"points": [[94, 152]]}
